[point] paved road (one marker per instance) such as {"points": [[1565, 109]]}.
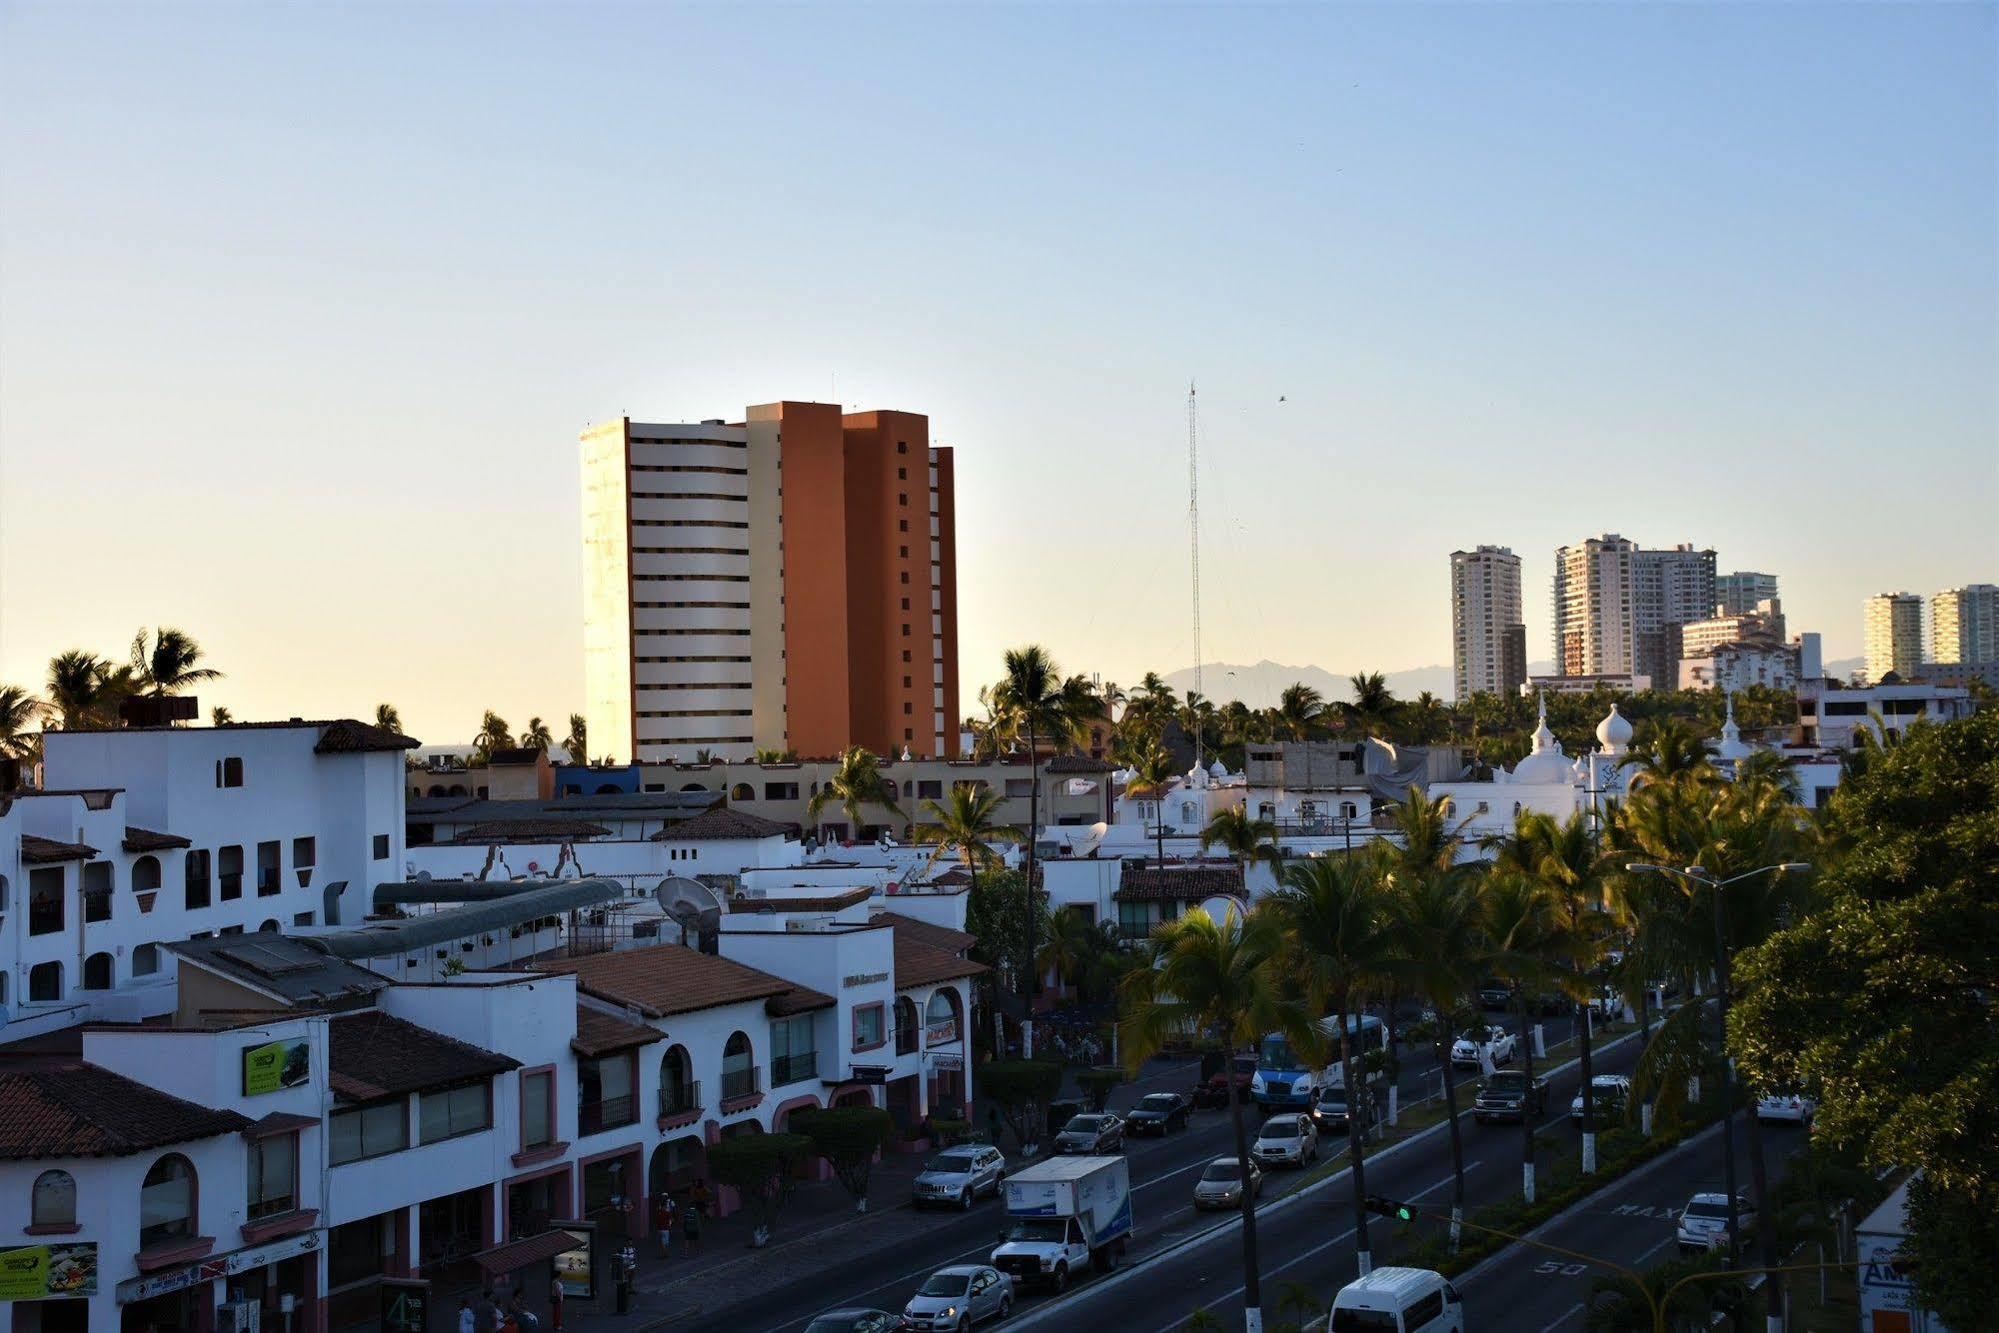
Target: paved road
{"points": [[1162, 1172], [1630, 1223]]}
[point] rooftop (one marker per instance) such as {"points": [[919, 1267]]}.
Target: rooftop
{"points": [[1178, 881], [81, 1110], [832, 902], [288, 968], [667, 979], [919, 964], [375, 1055], [923, 932], [721, 822], [599, 1033]]}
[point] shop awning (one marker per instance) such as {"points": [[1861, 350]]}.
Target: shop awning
{"points": [[518, 1254]]}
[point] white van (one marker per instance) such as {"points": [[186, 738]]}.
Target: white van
{"points": [[1398, 1300]]}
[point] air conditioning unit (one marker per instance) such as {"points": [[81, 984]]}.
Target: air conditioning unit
{"points": [[239, 1316]]}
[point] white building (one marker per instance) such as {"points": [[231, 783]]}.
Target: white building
{"points": [[1488, 638], [1594, 626], [1894, 628], [1738, 593], [1829, 716], [1738, 665], [1964, 625]]}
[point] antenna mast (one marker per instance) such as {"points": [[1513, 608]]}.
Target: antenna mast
{"points": [[1194, 542]]}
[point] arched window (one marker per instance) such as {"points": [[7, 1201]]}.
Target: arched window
{"points": [[456, 789], [1187, 811], [53, 1203], [607, 789], [739, 1070], [676, 1083], [742, 791], [146, 874], [692, 786], [1348, 810], [45, 982], [436, 789], [940, 1018], [166, 1201], [97, 972], [908, 1037], [145, 960], [270, 925]]}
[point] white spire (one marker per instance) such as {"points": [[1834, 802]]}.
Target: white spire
{"points": [[1614, 732], [1547, 763], [1732, 746]]}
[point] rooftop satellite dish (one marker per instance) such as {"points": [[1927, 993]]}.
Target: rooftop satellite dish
{"points": [[695, 907], [423, 877]]}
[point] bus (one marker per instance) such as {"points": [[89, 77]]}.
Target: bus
{"points": [[1286, 1081]]}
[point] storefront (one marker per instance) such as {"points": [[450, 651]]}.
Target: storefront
{"points": [[180, 1300], [610, 1186], [358, 1255], [48, 1288]]}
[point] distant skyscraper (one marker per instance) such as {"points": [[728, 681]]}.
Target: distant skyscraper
{"points": [[1738, 593], [1668, 589], [1488, 640], [1593, 624], [1894, 634], [1964, 625]]}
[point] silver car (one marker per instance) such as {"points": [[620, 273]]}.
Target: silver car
{"points": [[959, 1297], [1703, 1223], [1286, 1140], [960, 1175], [1220, 1185]]}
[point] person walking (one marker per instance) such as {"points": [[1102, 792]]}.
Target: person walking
{"points": [[662, 1225], [466, 1320], [486, 1315], [690, 1226]]}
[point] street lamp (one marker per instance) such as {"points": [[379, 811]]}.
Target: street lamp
{"points": [[1698, 875]]}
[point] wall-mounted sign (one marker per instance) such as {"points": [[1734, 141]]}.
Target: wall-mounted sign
{"points": [[45, 1272], [276, 1065], [405, 1305], [576, 1268], [868, 1074], [941, 1031], [217, 1265], [864, 979], [947, 1063]]}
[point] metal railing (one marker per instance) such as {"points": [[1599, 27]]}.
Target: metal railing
{"points": [[680, 1100], [740, 1083], [607, 1113], [792, 1068]]}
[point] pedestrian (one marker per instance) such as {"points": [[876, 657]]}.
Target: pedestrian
{"points": [[702, 1196], [662, 1225], [524, 1319], [486, 1315], [690, 1226], [466, 1319], [555, 1305]]}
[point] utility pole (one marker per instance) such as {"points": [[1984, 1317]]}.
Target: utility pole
{"points": [[1194, 542]]}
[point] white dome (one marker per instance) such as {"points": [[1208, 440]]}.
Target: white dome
{"points": [[1547, 765], [1218, 769], [1614, 732], [1197, 776]]}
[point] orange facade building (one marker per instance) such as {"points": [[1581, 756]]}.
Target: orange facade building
{"points": [[786, 582]]}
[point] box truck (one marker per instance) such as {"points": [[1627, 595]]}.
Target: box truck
{"points": [[1063, 1214]]}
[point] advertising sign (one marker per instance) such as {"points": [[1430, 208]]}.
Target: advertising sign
{"points": [[44, 1272], [941, 1030], [405, 1305], [576, 1268], [276, 1065], [217, 1265]]}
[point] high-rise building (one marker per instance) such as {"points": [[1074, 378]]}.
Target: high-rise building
{"points": [[1738, 593], [1593, 613], [1669, 588], [1488, 640], [1894, 627], [1964, 625], [785, 582]]}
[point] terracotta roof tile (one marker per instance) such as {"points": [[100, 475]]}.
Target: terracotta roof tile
{"points": [[1181, 883], [346, 736], [923, 932], [599, 1033], [831, 902], [531, 830], [797, 1000], [377, 1055], [722, 822], [82, 1110], [921, 965], [145, 840], [667, 979], [42, 851]]}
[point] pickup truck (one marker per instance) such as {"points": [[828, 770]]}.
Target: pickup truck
{"points": [[1506, 1095], [1062, 1215]]}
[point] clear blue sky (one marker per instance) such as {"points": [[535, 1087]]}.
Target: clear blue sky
{"points": [[301, 309]]}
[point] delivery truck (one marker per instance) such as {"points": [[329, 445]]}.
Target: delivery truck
{"points": [[1062, 1215]]}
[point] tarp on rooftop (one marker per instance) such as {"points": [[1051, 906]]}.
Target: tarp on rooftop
{"points": [[548, 898]]}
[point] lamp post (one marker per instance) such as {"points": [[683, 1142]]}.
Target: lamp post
{"points": [[1698, 875]]}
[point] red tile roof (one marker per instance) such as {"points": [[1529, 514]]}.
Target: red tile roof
{"points": [[720, 822], [41, 851], [1181, 883], [923, 932], [599, 1033], [145, 840], [82, 1110], [921, 965], [375, 1055], [667, 979]]}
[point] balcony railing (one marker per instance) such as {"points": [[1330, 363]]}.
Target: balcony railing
{"points": [[739, 1083], [793, 1068], [608, 1113], [682, 1100], [45, 916], [907, 1040]]}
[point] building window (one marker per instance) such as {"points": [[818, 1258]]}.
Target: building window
{"points": [[606, 1092], [678, 1092], [902, 474], [302, 919], [53, 1201], [868, 1021], [267, 869], [45, 982], [229, 772], [793, 1053], [166, 1202], [45, 901], [305, 853], [538, 1109], [381, 846], [97, 891], [146, 874], [902, 525], [780, 791], [273, 1175], [368, 1131], [908, 1033], [1134, 920], [454, 1111], [229, 873], [742, 791], [97, 972], [739, 1070], [145, 959]]}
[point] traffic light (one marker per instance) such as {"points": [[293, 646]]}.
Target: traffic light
{"points": [[1383, 1207]]}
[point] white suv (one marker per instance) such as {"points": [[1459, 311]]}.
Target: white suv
{"points": [[1478, 1045], [1704, 1222]]}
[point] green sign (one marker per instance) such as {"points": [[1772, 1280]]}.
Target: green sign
{"points": [[39, 1272], [405, 1305], [276, 1065]]}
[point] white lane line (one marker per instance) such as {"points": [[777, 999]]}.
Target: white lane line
{"points": [[1654, 1250], [1563, 1318], [1469, 1168]]}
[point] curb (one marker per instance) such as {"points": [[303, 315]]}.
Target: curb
{"points": [[766, 1251]]}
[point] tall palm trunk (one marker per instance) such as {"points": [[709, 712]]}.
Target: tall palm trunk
{"points": [[1589, 1097], [1363, 1251], [1457, 1146], [1527, 1110], [1033, 832], [1252, 1287], [1766, 1234]]}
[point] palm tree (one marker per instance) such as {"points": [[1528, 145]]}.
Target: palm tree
{"points": [[1067, 941], [219, 716], [1429, 848], [1670, 751], [1334, 912], [1247, 840], [388, 719], [1151, 772], [1567, 864], [761, 755], [84, 690], [536, 736], [170, 665], [1300, 708], [493, 735], [19, 711], [966, 823], [1374, 704], [578, 740], [857, 782], [1525, 947], [1030, 704], [1220, 980]]}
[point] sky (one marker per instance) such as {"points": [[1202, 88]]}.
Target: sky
{"points": [[302, 308]]}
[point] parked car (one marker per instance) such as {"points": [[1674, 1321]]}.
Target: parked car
{"points": [[1158, 1113], [1507, 1095], [1329, 1111], [1494, 993], [1476, 1046], [960, 1175], [1609, 1095], [1286, 1140], [1220, 1185], [1091, 1134], [1213, 1090], [1703, 1222], [958, 1297], [854, 1320], [1788, 1107]]}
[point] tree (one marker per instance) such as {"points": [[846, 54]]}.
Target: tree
{"points": [[1568, 867], [1219, 980], [577, 742], [536, 736], [1029, 704], [388, 719], [1374, 705], [170, 665], [761, 1166], [1527, 947], [19, 712], [1334, 914], [493, 735], [1880, 1003], [857, 782], [1616, 1305], [84, 690], [762, 754], [1151, 772], [1247, 840], [965, 822], [1672, 752], [849, 1138], [1022, 1090], [219, 716]]}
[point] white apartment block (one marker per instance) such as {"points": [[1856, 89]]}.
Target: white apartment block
{"points": [[1594, 625], [1734, 666], [1488, 639], [1669, 588], [1964, 625], [1894, 634]]}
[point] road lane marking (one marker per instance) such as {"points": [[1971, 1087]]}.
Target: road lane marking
{"points": [[1563, 1318]]}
